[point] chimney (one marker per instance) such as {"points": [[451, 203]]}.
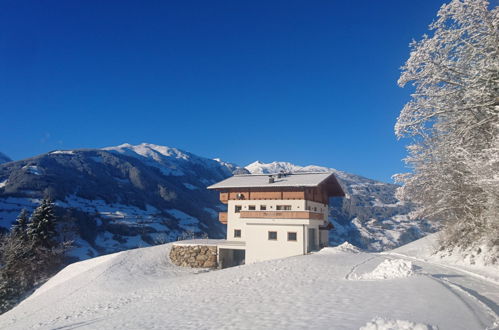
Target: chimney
{"points": [[271, 179]]}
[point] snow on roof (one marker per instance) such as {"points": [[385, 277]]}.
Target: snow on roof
{"points": [[306, 179]]}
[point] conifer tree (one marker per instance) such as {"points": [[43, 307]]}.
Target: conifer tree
{"points": [[19, 228], [41, 229]]}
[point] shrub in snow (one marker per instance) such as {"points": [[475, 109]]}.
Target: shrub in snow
{"points": [[380, 323]]}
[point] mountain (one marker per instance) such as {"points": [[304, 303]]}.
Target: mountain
{"points": [[119, 197], [369, 216], [128, 196], [4, 158]]}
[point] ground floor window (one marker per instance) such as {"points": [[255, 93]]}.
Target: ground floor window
{"points": [[291, 236], [273, 235], [237, 232]]}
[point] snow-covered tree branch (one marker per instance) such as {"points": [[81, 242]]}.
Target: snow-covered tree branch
{"points": [[452, 120]]}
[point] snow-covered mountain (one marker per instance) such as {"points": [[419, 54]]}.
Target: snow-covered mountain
{"points": [[127, 196], [370, 216], [119, 197], [336, 288], [4, 158]]}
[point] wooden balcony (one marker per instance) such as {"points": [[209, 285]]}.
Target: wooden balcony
{"points": [[224, 197], [282, 215], [222, 217]]}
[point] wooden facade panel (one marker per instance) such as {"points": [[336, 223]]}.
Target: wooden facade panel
{"points": [[311, 194], [266, 195], [224, 197], [234, 195], [222, 217], [293, 195]]}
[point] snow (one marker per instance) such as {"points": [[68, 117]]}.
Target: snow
{"points": [[33, 169], [3, 183], [82, 250], [380, 323], [388, 269], [190, 186], [212, 212], [262, 180], [186, 221], [425, 249], [345, 247], [63, 152], [141, 289], [155, 155]]}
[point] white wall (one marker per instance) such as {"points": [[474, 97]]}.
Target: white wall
{"points": [[234, 221], [260, 248], [255, 231]]}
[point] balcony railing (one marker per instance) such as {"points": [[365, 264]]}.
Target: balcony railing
{"points": [[222, 217], [282, 215]]}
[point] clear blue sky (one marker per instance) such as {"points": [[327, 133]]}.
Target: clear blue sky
{"points": [[310, 82]]}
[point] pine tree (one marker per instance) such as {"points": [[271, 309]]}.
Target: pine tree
{"points": [[19, 228], [41, 229]]}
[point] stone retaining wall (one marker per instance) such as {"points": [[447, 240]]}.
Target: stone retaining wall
{"points": [[194, 256]]}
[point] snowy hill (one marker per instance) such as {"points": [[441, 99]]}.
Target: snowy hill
{"points": [[4, 158], [336, 288], [370, 216]]}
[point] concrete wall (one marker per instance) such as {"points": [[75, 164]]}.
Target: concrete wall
{"points": [[194, 256]]}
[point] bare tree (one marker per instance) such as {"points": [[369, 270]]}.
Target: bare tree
{"points": [[452, 121]]}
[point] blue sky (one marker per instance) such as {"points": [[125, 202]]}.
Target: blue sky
{"points": [[310, 82]]}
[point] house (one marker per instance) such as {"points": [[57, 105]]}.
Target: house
{"points": [[275, 216]]}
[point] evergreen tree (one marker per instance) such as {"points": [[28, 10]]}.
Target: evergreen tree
{"points": [[19, 228], [41, 229]]}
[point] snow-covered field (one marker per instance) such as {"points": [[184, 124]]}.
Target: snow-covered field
{"points": [[336, 288]]}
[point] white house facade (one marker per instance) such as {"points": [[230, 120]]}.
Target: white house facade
{"points": [[275, 216]]}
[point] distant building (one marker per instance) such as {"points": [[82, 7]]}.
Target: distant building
{"points": [[274, 216]]}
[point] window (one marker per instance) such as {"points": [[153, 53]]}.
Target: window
{"points": [[237, 232], [283, 207], [263, 207], [237, 208], [251, 207], [272, 235], [291, 236]]}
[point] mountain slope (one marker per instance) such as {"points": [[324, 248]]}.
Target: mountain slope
{"points": [[4, 158], [370, 216], [129, 196], [121, 197], [141, 289]]}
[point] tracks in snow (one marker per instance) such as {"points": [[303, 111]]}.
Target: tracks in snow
{"points": [[475, 301]]}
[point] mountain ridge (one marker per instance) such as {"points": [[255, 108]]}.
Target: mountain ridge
{"points": [[138, 195], [4, 158]]}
